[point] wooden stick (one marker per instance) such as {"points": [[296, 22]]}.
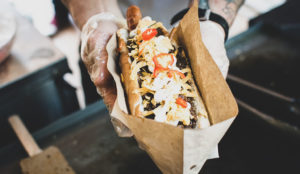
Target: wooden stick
{"points": [[24, 136]]}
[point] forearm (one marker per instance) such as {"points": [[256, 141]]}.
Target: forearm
{"points": [[226, 8], [82, 10]]}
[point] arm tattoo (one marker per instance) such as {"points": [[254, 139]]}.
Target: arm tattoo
{"points": [[238, 3], [232, 7]]}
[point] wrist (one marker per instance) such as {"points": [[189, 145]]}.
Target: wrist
{"points": [[206, 15], [226, 8], [228, 18], [108, 21], [81, 11]]}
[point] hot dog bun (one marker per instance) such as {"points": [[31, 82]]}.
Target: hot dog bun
{"points": [[133, 16], [156, 74]]}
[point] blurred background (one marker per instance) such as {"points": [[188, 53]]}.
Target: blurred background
{"points": [[41, 81]]}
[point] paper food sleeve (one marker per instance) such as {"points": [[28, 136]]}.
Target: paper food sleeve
{"points": [[173, 149]]}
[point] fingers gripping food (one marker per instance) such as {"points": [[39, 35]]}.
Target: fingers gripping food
{"points": [[156, 74]]}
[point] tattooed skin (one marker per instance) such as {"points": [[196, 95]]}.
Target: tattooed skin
{"points": [[231, 10], [226, 8]]}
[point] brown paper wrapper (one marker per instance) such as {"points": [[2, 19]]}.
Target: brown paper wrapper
{"points": [[173, 149]]}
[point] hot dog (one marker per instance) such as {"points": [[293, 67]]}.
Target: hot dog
{"points": [[156, 74]]}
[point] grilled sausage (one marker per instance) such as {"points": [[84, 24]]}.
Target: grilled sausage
{"points": [[133, 15]]}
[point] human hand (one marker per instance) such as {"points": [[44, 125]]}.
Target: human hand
{"points": [[94, 56], [213, 34], [97, 21], [213, 38]]}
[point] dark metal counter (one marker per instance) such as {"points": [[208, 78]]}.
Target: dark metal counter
{"points": [[89, 143], [91, 146]]}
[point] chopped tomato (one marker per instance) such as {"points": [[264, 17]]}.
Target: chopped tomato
{"points": [[149, 33], [181, 102], [158, 65], [156, 71], [171, 73]]}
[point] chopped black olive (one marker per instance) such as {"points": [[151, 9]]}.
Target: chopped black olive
{"points": [[181, 59], [149, 106], [131, 59], [140, 73], [191, 101], [130, 43], [183, 97], [150, 116], [180, 124], [172, 50], [145, 69], [159, 32], [193, 112], [149, 95], [130, 49], [140, 81], [189, 82], [193, 123], [193, 107]]}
